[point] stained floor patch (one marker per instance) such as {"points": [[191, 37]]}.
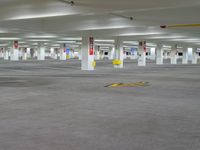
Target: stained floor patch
{"points": [[17, 82]]}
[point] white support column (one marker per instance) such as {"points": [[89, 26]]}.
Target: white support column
{"points": [[165, 55], [173, 55], [101, 55], [97, 52], [111, 53], [125, 55], [119, 53], [15, 51], [87, 62], [153, 54], [24, 54], [28, 53], [142, 53], [80, 54], [185, 55], [32, 53], [63, 55], [134, 53], [41, 51], [56, 52], [1, 52], [52, 54], [194, 55], [6, 54], [159, 54]]}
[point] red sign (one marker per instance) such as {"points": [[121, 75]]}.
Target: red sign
{"points": [[91, 46], [145, 47], [15, 45]]}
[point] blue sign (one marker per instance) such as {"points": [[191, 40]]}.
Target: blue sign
{"points": [[67, 51], [133, 50]]}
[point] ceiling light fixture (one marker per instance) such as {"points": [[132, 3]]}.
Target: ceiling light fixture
{"points": [[72, 3], [9, 38], [122, 16]]}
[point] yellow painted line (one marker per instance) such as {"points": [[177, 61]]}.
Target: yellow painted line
{"points": [[184, 25], [180, 25], [136, 84]]}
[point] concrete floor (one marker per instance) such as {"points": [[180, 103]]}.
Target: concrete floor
{"points": [[53, 105]]}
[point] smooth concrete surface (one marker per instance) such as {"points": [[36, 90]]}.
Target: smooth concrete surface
{"points": [[52, 105]]}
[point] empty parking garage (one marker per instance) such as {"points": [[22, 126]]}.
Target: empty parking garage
{"points": [[99, 75]]}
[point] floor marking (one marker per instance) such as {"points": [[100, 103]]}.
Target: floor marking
{"points": [[136, 84]]}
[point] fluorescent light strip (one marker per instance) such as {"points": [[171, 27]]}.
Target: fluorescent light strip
{"points": [[104, 44], [9, 38], [38, 40], [71, 39], [131, 42], [66, 42], [41, 36], [101, 40], [40, 16], [138, 34]]}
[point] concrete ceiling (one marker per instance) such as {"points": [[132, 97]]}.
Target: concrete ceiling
{"points": [[52, 20]]}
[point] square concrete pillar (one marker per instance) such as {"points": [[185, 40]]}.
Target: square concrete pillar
{"points": [[14, 55], [87, 62], [97, 52], [24, 54], [194, 56], [173, 55], [111, 53], [142, 53], [159, 54], [119, 53], [63, 54], [185, 55], [41, 51]]}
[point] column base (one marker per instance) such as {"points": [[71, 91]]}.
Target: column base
{"points": [[173, 61], [24, 57], [142, 62], [185, 62], [118, 66], [194, 59], [159, 61], [14, 55], [89, 64]]}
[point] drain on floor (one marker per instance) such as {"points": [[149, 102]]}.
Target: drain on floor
{"points": [[136, 84]]}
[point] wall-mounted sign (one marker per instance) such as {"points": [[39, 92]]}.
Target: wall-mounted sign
{"points": [[91, 46], [143, 45], [67, 51], [15, 45], [133, 49]]}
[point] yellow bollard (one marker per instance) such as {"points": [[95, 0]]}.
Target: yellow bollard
{"points": [[117, 62], [94, 64]]}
